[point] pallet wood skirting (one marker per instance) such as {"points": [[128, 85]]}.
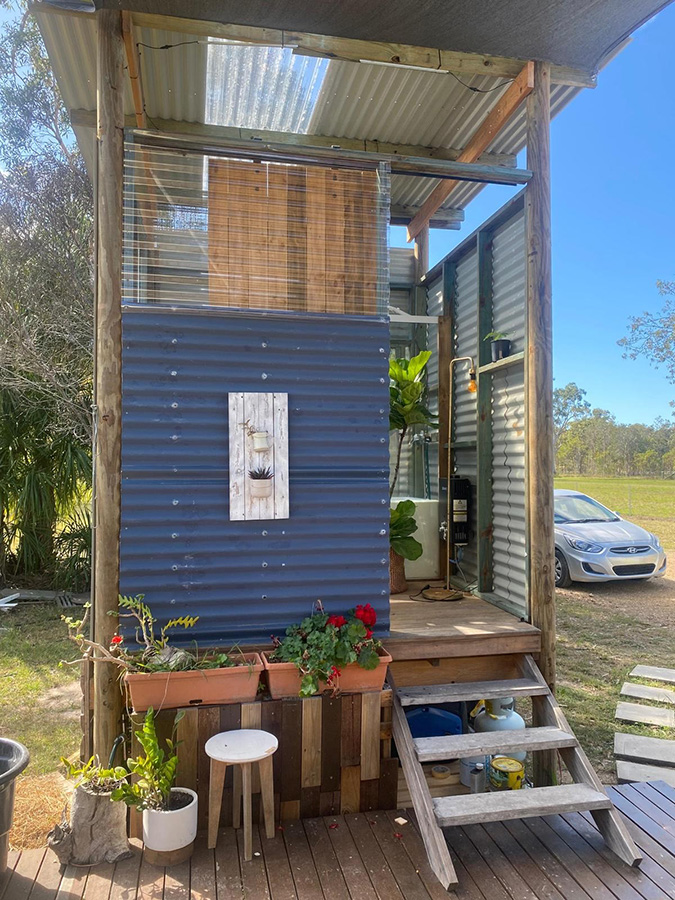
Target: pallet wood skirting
{"points": [[334, 754]]}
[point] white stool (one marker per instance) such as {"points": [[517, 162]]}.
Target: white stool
{"points": [[240, 749]]}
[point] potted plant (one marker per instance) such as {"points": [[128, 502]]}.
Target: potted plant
{"points": [[97, 830], [406, 410], [160, 675], [328, 652], [402, 545], [169, 812], [500, 345], [261, 481]]}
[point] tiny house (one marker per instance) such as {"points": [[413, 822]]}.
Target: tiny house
{"points": [[248, 164]]}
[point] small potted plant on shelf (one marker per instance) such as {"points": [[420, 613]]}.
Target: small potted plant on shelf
{"points": [[261, 482], [500, 345], [328, 652], [160, 675], [169, 812], [97, 830]]}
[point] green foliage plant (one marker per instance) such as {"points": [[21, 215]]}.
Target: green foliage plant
{"points": [[497, 336], [402, 526], [321, 645], [94, 778], [154, 770], [261, 473]]}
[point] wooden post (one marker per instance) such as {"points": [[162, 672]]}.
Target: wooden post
{"points": [[539, 377], [445, 351], [108, 385], [422, 254]]}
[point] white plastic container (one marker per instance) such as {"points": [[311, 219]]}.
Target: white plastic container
{"points": [[165, 832]]}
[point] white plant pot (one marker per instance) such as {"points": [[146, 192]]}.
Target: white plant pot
{"points": [[261, 487], [261, 441], [172, 831]]}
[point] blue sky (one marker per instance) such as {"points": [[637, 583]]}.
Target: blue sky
{"points": [[613, 208]]}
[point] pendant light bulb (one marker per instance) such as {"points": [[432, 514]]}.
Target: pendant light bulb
{"points": [[472, 386]]}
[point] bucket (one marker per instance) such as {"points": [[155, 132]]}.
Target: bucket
{"points": [[13, 760], [506, 774]]}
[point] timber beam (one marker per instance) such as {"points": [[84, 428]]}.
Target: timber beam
{"points": [[448, 218], [87, 119], [345, 49], [500, 114], [134, 69]]}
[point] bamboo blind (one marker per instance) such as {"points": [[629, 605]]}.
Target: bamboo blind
{"points": [[254, 234]]}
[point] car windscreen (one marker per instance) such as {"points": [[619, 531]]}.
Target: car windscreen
{"points": [[579, 508]]}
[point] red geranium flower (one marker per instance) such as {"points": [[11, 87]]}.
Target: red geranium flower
{"points": [[366, 614], [369, 633], [338, 621], [116, 639]]}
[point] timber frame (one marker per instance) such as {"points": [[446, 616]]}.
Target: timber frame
{"points": [[115, 44]]}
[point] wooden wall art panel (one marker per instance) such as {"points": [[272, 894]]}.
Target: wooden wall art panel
{"points": [[258, 427]]}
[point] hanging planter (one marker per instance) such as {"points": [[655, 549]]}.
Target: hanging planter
{"points": [[500, 345], [261, 441], [261, 484]]}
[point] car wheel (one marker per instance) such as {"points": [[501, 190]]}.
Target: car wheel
{"points": [[562, 571]]}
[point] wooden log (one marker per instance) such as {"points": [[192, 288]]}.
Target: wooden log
{"points": [[108, 370], [539, 393], [96, 833]]}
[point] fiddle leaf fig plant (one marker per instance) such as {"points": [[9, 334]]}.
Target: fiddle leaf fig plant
{"points": [[402, 526]]}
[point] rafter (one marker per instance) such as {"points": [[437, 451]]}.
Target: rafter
{"points": [[498, 116], [134, 69]]}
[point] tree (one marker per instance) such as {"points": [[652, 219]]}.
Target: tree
{"points": [[568, 406], [652, 335]]}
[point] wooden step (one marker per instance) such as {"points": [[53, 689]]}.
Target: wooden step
{"points": [[651, 751], [461, 746], [496, 806], [654, 673], [429, 694]]}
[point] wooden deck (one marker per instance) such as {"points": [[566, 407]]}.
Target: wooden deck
{"points": [[371, 857], [458, 628]]}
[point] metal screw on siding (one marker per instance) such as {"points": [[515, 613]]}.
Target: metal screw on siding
{"points": [[264, 597], [382, 440], [383, 530], [283, 565], [264, 344], [264, 376], [174, 437], [383, 561], [382, 350], [384, 502], [384, 593], [381, 380], [264, 565], [175, 502], [174, 406], [264, 534], [175, 341], [381, 412], [173, 600], [174, 535], [173, 372], [174, 568]]}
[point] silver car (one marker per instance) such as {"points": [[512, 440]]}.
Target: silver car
{"points": [[594, 544]]}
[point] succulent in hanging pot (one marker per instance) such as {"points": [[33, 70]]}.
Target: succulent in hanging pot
{"points": [[261, 482], [500, 345]]}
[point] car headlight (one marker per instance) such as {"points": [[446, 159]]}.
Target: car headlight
{"points": [[656, 542], [584, 546]]}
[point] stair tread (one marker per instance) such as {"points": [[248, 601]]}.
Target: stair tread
{"points": [[469, 809], [461, 746], [470, 690]]}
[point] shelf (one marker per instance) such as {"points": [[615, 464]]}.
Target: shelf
{"points": [[502, 363], [462, 445]]}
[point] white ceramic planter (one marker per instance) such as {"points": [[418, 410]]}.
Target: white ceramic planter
{"points": [[261, 487], [172, 831], [261, 441]]}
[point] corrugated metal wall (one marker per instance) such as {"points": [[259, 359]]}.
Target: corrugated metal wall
{"points": [[247, 580], [508, 420], [507, 399]]}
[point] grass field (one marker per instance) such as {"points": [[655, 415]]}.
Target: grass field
{"points": [[649, 502], [606, 629]]}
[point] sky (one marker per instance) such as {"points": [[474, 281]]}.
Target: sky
{"points": [[613, 223]]}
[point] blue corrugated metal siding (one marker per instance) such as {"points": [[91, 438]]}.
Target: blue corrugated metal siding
{"points": [[247, 580]]}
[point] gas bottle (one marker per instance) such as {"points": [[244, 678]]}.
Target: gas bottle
{"points": [[498, 715]]}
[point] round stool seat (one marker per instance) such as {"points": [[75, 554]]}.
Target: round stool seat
{"points": [[246, 745]]}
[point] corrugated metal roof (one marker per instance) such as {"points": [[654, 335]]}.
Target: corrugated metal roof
{"points": [[212, 82]]}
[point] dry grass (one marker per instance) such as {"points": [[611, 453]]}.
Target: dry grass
{"points": [[39, 804]]}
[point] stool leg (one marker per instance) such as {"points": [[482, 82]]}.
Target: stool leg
{"points": [[236, 796], [248, 825], [267, 792], [216, 780]]}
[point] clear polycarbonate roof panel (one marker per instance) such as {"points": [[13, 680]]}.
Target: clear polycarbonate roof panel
{"points": [[261, 87]]}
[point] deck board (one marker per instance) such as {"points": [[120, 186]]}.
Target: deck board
{"points": [[370, 856]]}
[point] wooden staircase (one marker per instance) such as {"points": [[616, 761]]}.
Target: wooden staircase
{"points": [[554, 733]]}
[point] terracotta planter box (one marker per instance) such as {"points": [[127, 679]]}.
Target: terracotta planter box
{"points": [[283, 679], [168, 690]]}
